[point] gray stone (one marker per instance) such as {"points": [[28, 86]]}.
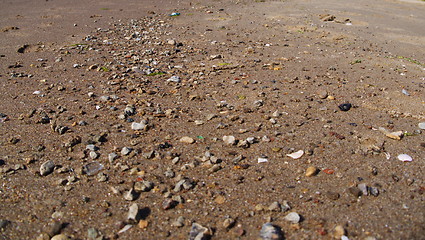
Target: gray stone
{"points": [[131, 195], [362, 187], [179, 222], [293, 217], [198, 232], [92, 233], [47, 167], [112, 157], [125, 151], [229, 140], [270, 232], [138, 126], [133, 212]]}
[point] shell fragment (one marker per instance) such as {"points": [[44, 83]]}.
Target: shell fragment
{"points": [[296, 155]]}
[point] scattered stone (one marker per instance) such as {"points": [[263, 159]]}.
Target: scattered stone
{"points": [[92, 233], [338, 232], [374, 191], [421, 125], [345, 107], [92, 168], [404, 158], [179, 222], [169, 204], [311, 171], [322, 93], [198, 232], [143, 186], [143, 224], [131, 195], [93, 155], [356, 192], [125, 151], [229, 223], [187, 139], [138, 126], [229, 140], [296, 155], [102, 177], [60, 237], [112, 157], [362, 187], [47, 167], [275, 207], [4, 223], [332, 195], [293, 217], [133, 212], [270, 232], [175, 79]]}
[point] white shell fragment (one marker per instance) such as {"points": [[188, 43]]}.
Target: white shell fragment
{"points": [[262, 160], [421, 125], [296, 155], [405, 158]]}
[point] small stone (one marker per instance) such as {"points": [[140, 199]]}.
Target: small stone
{"points": [[169, 204], [356, 192], [92, 168], [179, 222], [175, 79], [93, 155], [131, 195], [55, 228], [112, 157], [311, 171], [338, 232], [332, 195], [229, 223], [198, 232], [187, 139], [421, 125], [102, 177], [4, 223], [138, 126], [46, 168], [125, 151], [133, 212], [143, 186], [345, 107], [362, 187], [293, 217], [220, 199], [270, 232], [92, 233], [374, 191], [171, 42], [143, 224], [60, 237], [404, 158], [296, 155], [43, 236], [322, 93], [275, 207], [229, 140]]}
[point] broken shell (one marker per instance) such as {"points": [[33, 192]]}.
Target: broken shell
{"points": [[404, 158], [296, 155]]}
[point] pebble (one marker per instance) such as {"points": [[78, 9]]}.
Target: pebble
{"points": [[229, 223], [229, 140], [131, 195], [293, 217], [175, 79], [270, 232], [143, 186], [338, 232], [133, 212], [345, 107], [92, 168], [112, 157], [143, 224], [362, 187], [421, 125], [125, 151], [296, 155], [169, 204], [179, 222], [275, 207], [356, 192], [198, 232], [4, 223], [92, 233], [332, 195], [138, 126], [102, 177], [374, 191], [47, 167], [93, 155], [60, 237], [311, 171], [404, 158], [322, 93], [187, 139]]}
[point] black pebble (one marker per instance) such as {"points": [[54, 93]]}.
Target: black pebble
{"points": [[345, 107]]}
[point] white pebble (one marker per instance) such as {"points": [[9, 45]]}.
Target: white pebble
{"points": [[405, 158]]}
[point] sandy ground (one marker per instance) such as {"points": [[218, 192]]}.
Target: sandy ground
{"points": [[197, 118]]}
